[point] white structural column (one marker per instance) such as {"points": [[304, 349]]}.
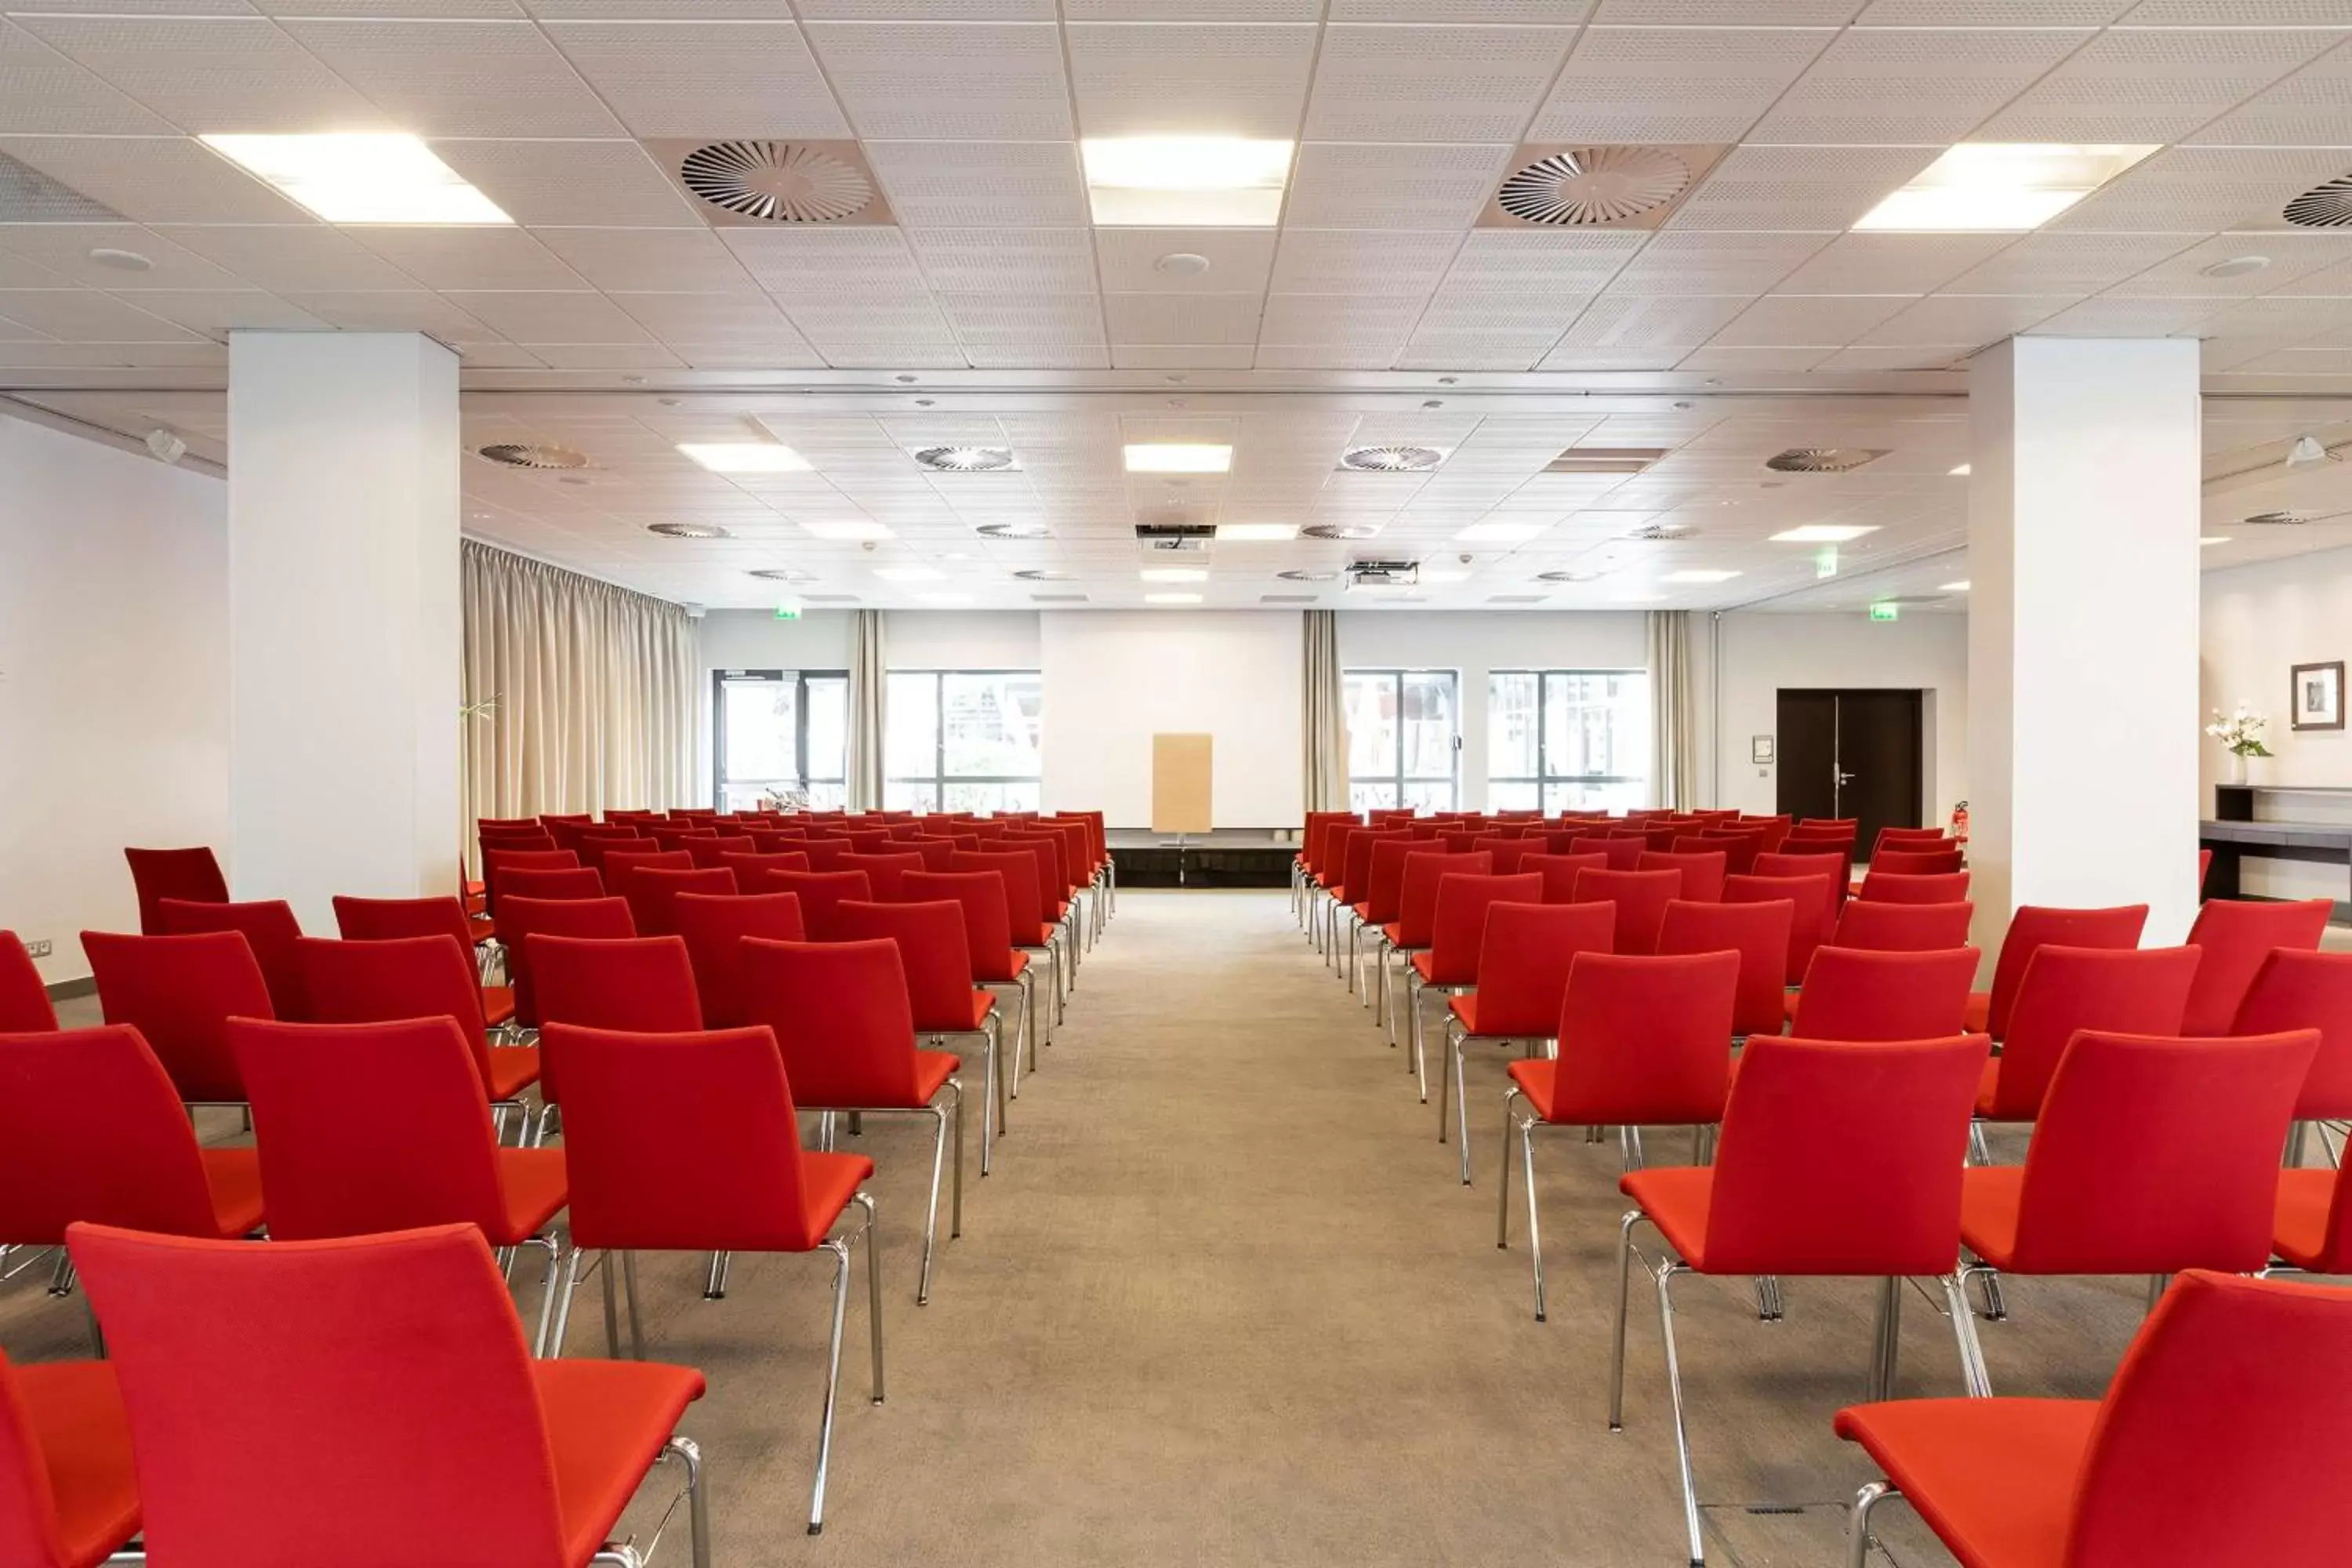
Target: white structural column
{"points": [[2083, 692], [343, 615]]}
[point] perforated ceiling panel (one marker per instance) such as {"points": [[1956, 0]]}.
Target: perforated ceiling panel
{"points": [[1655, 84], [752, 79], [1139, 80], [1431, 84]]}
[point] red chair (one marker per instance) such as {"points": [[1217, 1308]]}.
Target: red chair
{"points": [[1640, 897], [2237, 936], [825, 853], [269, 928], [1379, 907], [994, 962], [360, 1400], [179, 993], [68, 1492], [1033, 932], [1643, 1041], [1524, 958], [647, 1176], [650, 891], [1703, 872], [1878, 888], [1738, 849], [884, 873], [841, 1017], [389, 919], [621, 866], [1915, 862], [24, 1001], [518, 917], [1801, 860], [713, 926], [416, 977], [1836, 1160], [92, 1129], [498, 863], [596, 849], [1055, 910], [1559, 873], [366, 1128], [946, 1003], [714, 851], [1759, 934], [935, 852], [640, 985], [2210, 1446], [750, 869], [1912, 838], [2121, 991], [1457, 933], [819, 893], [1902, 928], [190, 875], [2297, 990], [1815, 901], [1855, 994], [574, 882], [2028, 927], [2150, 1155]]}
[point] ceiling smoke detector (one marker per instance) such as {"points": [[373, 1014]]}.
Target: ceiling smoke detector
{"points": [[1823, 459], [1579, 186], [1013, 531], [1338, 530], [686, 530], [1390, 460], [523, 455], [965, 460], [2327, 206], [764, 182]]}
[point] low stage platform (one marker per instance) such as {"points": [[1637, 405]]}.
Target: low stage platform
{"points": [[1231, 859]]}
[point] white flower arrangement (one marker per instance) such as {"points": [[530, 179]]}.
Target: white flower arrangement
{"points": [[2241, 733]]}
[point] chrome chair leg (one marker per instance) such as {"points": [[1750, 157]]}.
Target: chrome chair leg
{"points": [[1979, 1151], [1461, 1104], [714, 1284], [1769, 1306], [992, 1092], [549, 1290], [840, 1250], [564, 1307], [1857, 1540], [1502, 1175], [873, 1285], [629, 1288], [1887, 1340], [931, 1212], [1666, 1270], [612, 1281], [1535, 1237], [1625, 1225], [698, 1501], [1973, 1371]]}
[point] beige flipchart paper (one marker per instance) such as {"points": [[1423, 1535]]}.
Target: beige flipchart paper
{"points": [[1179, 784]]}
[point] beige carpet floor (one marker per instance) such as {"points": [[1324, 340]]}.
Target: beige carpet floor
{"points": [[1225, 1302]]}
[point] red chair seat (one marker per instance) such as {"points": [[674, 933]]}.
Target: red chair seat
{"points": [[983, 1004], [534, 1184], [75, 1411], [512, 1070], [1363, 911], [1977, 1018], [235, 1177], [497, 1006], [932, 1069], [1423, 965], [480, 929], [1395, 934], [1995, 1478], [1989, 1197], [1988, 1087], [1466, 1008], [606, 1424], [827, 1184], [1676, 1198], [2299, 1233]]}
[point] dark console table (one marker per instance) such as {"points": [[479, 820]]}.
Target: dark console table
{"points": [[2234, 833]]}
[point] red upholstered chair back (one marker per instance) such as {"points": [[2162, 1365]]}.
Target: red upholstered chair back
{"points": [[714, 851], [159, 874], [1417, 895], [1880, 888], [818, 892], [1509, 849], [884, 873], [1703, 872], [2128, 991], [2210, 1437], [567, 882], [644, 1172], [269, 928], [2152, 1155], [1524, 961], [1045, 856], [2299, 990], [1810, 861], [595, 848], [1916, 862], [987, 933], [643, 984], [621, 869], [2035, 924], [406, 977], [31, 1533], [713, 926], [1854, 994], [1646, 1038], [91, 1128], [826, 854], [1912, 839], [179, 993], [2237, 936], [868, 840], [936, 850], [24, 999], [369, 1127], [771, 841], [676, 836], [841, 1018], [1560, 872], [287, 1401], [385, 919], [518, 918], [1902, 928], [651, 890], [1384, 882], [1624, 850], [497, 862], [932, 954], [1355, 863], [1815, 901], [1018, 869], [1738, 849], [1055, 864], [1841, 1157], [1458, 926], [750, 868], [1759, 934], [1640, 897]]}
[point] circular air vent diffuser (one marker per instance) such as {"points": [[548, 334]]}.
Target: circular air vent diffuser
{"points": [[1013, 531], [517, 455], [1042, 574], [1390, 460], [2280, 519], [1589, 186], [1821, 459], [964, 460], [1338, 530], [780, 182], [2322, 206], [686, 530], [784, 575], [1567, 576], [1297, 574]]}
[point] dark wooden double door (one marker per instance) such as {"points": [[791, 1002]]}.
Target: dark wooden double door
{"points": [[1853, 753]]}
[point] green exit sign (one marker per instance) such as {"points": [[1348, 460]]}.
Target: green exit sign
{"points": [[788, 611], [1885, 612]]}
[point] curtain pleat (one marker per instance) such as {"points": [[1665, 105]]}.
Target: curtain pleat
{"points": [[1327, 717], [1674, 719], [579, 696], [868, 681]]}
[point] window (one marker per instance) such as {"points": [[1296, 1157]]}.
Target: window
{"points": [[962, 739], [1403, 733], [1568, 740], [781, 729]]}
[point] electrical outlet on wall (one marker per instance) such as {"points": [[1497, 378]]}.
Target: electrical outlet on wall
{"points": [[37, 949]]}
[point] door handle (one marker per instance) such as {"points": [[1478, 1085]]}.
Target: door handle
{"points": [[1845, 778]]}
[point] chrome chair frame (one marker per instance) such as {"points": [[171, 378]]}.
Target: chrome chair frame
{"points": [[1457, 1040], [1024, 1023], [827, 1121]]}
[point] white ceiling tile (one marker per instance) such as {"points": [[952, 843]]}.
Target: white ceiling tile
{"points": [[155, 179], [18, 273], [1005, 321], [42, 91], [1362, 261], [683, 260], [468, 258], [1617, 321], [829, 319], [1501, 353], [1181, 356], [25, 354], [2108, 317], [1725, 13], [1754, 357], [1239, 259], [552, 183], [936, 356], [213, 73], [1182, 317], [1668, 84], [1431, 84], [2311, 108], [1323, 356], [858, 261], [289, 255], [415, 311], [137, 8], [1357, 184], [994, 184], [1542, 261], [1892, 263], [1054, 356], [1992, 13], [460, 79], [85, 316], [215, 311], [532, 317], [1888, 85], [1896, 356], [2201, 189], [1136, 81], [64, 249], [927, 10], [1798, 187], [752, 321], [2153, 86], [1043, 261], [708, 79], [2292, 256], [496, 356], [1355, 319], [2239, 14], [747, 356], [1714, 262], [943, 81], [671, 10], [1966, 318], [1552, 13], [606, 356], [2050, 263], [1835, 320]]}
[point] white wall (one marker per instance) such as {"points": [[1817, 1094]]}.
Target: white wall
{"points": [[113, 678]]}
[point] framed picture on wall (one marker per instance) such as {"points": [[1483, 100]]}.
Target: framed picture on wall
{"points": [[2318, 701]]}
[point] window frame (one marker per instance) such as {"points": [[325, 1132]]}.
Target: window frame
{"points": [[1544, 778], [800, 680], [1399, 779], [939, 778]]}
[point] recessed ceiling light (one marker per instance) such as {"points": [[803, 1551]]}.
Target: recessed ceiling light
{"points": [[1179, 457], [1960, 473], [1185, 182], [909, 574], [121, 261], [2000, 186], [2214, 539], [945, 598], [1172, 598], [1959, 587], [745, 456], [686, 530], [1499, 532], [1173, 574], [846, 528], [362, 177], [2235, 267], [1257, 532], [1699, 576], [1823, 533]]}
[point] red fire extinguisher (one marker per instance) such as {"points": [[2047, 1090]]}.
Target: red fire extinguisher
{"points": [[1960, 821]]}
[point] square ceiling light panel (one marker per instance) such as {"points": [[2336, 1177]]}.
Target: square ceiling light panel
{"points": [[362, 177], [1177, 458], [1185, 182], [1999, 186]]}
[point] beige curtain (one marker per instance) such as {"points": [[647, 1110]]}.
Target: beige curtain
{"points": [[1326, 716], [579, 696], [868, 683], [1673, 722]]}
